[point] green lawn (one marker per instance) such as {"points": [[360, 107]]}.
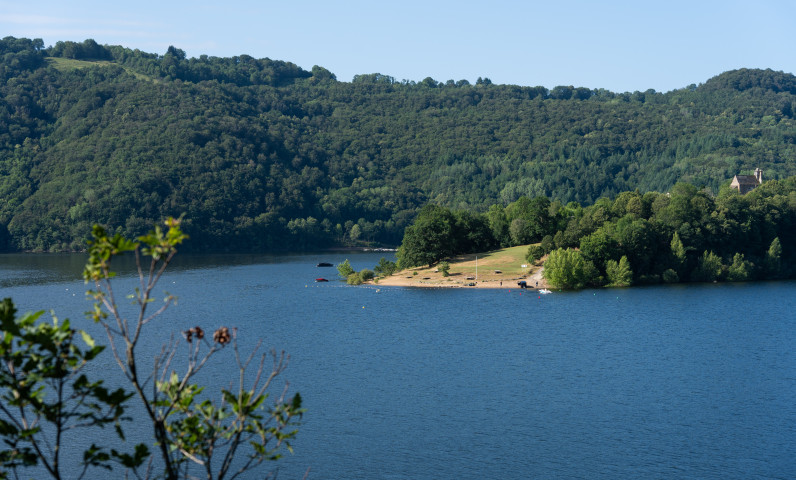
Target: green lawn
{"points": [[507, 260]]}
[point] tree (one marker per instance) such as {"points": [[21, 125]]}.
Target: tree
{"points": [[535, 252], [520, 232], [678, 252], [385, 267], [444, 268], [185, 430], [547, 244], [46, 394], [499, 225], [366, 274], [190, 430], [773, 259], [319, 74], [354, 279], [529, 220], [566, 268], [355, 233], [599, 248], [708, 269], [344, 269], [641, 241], [176, 52], [740, 270], [619, 273], [357, 278], [471, 232], [670, 276], [429, 240]]}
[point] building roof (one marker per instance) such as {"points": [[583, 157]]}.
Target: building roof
{"points": [[744, 183], [746, 180]]}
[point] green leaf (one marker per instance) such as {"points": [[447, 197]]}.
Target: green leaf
{"points": [[296, 403], [132, 461], [87, 339]]}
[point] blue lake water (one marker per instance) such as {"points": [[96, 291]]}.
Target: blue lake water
{"points": [[689, 382]]}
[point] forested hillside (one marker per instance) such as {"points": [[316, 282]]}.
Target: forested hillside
{"points": [[260, 154]]}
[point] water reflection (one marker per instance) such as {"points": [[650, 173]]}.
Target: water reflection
{"points": [[26, 269], [20, 269]]}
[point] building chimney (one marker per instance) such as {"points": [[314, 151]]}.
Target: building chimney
{"points": [[759, 175]]}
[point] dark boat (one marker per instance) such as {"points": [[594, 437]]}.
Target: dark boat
{"points": [[324, 264], [321, 280]]}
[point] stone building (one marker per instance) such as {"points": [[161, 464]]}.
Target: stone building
{"points": [[746, 183]]}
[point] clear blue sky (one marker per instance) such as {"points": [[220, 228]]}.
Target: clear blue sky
{"points": [[614, 44]]}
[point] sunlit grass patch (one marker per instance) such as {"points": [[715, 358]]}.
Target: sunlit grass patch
{"points": [[69, 64]]}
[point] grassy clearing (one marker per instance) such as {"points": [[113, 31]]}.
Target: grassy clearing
{"points": [[69, 64], [507, 260], [498, 268]]}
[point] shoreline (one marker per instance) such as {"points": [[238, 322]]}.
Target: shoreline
{"points": [[511, 283]]}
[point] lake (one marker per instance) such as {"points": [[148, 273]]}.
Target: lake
{"points": [[684, 381]]}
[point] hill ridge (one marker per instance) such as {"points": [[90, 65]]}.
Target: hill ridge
{"points": [[262, 155]]}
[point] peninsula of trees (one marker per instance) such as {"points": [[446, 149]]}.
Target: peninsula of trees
{"points": [[685, 235], [261, 154]]}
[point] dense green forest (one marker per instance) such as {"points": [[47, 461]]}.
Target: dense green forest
{"points": [[259, 154], [685, 235]]}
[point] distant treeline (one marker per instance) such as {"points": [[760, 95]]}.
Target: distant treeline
{"points": [[684, 235], [259, 154]]}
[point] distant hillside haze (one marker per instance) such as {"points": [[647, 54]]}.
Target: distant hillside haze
{"points": [[261, 155]]}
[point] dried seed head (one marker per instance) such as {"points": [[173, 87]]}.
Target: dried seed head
{"points": [[221, 335]]}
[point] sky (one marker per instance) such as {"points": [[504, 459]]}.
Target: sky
{"points": [[618, 45]]}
